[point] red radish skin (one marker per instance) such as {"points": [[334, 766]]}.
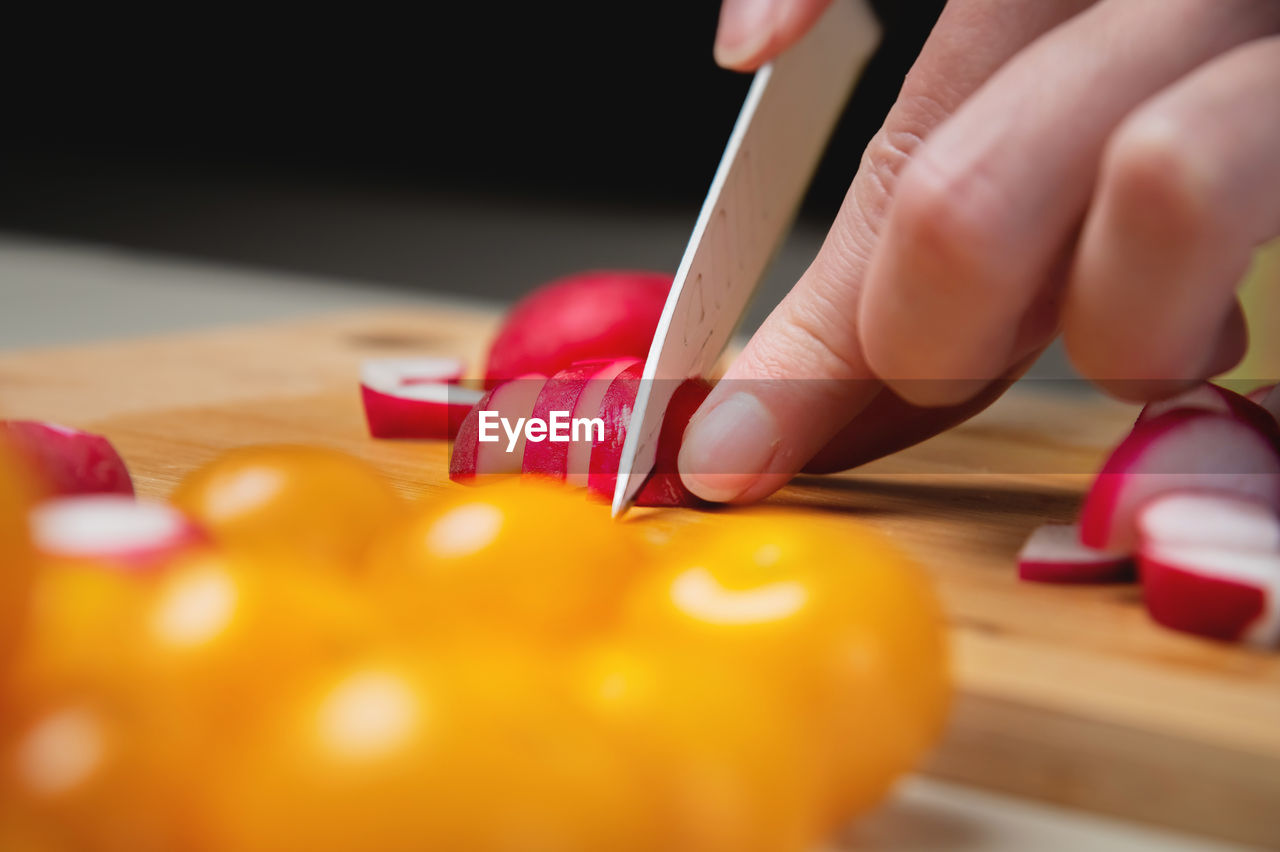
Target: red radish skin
{"points": [[132, 535], [578, 459], [466, 443], [605, 314], [1053, 554], [1180, 450], [70, 461], [1213, 592], [1207, 396], [560, 393], [415, 398]]}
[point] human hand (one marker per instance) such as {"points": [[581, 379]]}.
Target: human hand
{"points": [[1103, 169]]}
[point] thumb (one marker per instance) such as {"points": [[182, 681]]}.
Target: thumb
{"points": [[752, 32], [799, 380]]}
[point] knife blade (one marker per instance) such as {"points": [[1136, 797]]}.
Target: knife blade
{"points": [[788, 115]]}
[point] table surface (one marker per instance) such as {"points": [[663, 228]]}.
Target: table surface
{"points": [[57, 293]]}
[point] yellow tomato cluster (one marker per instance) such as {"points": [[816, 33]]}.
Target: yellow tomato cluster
{"points": [[498, 668]]}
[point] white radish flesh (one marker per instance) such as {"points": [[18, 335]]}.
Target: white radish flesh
{"points": [[1180, 450], [133, 534], [1053, 554], [1208, 519]]}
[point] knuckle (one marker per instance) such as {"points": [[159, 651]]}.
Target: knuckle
{"points": [[806, 338], [1154, 182], [945, 219]]}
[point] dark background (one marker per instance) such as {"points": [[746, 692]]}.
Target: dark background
{"points": [[294, 140]]}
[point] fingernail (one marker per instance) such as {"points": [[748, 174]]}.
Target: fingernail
{"points": [[743, 30], [726, 449]]}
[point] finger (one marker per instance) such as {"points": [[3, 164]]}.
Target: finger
{"points": [[996, 193], [1188, 189], [751, 32], [802, 376], [889, 424]]}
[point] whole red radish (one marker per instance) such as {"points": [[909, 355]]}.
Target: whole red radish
{"points": [[69, 460], [1053, 554], [602, 314], [1179, 450]]}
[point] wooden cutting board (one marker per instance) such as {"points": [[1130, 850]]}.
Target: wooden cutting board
{"points": [[1067, 694]]}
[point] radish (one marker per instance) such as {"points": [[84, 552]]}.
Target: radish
{"points": [[664, 486], [1211, 566], [607, 314], [1178, 450], [136, 535], [1053, 554], [471, 456], [578, 459], [415, 397], [70, 461], [560, 393], [1207, 396]]}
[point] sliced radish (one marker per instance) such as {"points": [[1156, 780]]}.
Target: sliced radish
{"points": [[615, 410], [415, 397], [1208, 519], [1054, 554], [559, 394], [664, 486], [578, 459], [473, 457], [70, 461], [136, 535], [1180, 450], [1207, 396], [1222, 593], [605, 314]]}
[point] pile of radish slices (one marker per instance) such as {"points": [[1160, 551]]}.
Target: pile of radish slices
{"points": [[1190, 503]]}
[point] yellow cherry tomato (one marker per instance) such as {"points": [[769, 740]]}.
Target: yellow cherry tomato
{"points": [[527, 556], [467, 749], [76, 774], [17, 493], [220, 632], [833, 616], [308, 501], [726, 762]]}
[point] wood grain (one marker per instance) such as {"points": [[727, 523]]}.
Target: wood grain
{"points": [[1067, 694]]}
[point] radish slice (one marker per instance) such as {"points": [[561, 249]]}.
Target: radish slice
{"points": [[664, 486], [578, 459], [1217, 592], [615, 410], [1054, 554], [514, 403], [414, 397], [388, 373], [136, 535], [559, 394], [1180, 450], [70, 461], [1210, 397], [1206, 519]]}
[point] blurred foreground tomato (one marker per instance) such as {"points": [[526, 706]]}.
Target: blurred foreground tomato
{"points": [[728, 762], [79, 775], [308, 501], [17, 493], [526, 556], [831, 615], [466, 749]]}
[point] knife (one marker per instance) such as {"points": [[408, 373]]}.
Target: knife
{"points": [[790, 111]]}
